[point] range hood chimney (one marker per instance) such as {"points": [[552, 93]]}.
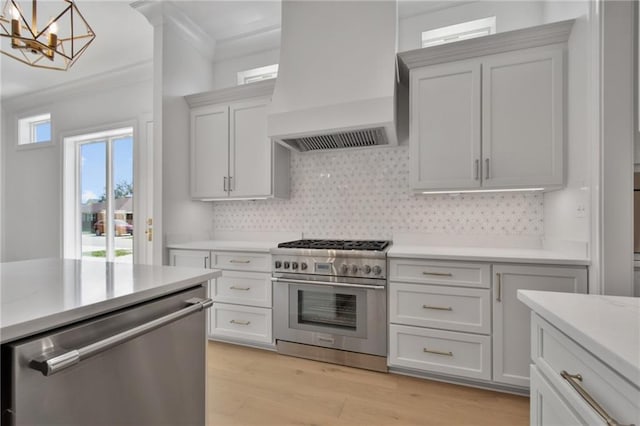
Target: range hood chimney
{"points": [[337, 75]]}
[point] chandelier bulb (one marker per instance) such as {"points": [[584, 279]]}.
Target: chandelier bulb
{"points": [[53, 28]]}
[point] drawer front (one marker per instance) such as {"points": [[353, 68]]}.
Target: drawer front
{"points": [[190, 258], [449, 308], [553, 352], [242, 261], [241, 322], [243, 288], [444, 352], [547, 407], [462, 274]]}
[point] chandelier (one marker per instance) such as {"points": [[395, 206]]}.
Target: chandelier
{"points": [[48, 34]]}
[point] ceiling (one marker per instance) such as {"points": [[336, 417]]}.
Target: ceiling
{"points": [[124, 37]]}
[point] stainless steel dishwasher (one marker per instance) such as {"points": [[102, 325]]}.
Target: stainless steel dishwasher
{"points": [[143, 365]]}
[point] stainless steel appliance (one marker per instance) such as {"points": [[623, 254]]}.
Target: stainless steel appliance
{"points": [[144, 365], [330, 301]]}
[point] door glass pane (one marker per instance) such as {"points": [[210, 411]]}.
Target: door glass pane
{"points": [[330, 309], [123, 198], [93, 199]]}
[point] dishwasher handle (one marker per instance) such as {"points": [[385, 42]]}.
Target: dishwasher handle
{"points": [[65, 360]]}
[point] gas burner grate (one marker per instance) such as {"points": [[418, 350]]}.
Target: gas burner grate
{"points": [[336, 244]]}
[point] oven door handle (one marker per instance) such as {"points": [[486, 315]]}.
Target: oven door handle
{"points": [[365, 286]]}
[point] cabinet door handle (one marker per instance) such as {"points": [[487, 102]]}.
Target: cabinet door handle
{"points": [[486, 168], [239, 261], [438, 274], [240, 322], [438, 308], [476, 169], [498, 287], [431, 351], [240, 288], [575, 380], [224, 184]]}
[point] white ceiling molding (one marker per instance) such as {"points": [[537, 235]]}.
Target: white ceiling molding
{"points": [[163, 12], [108, 80]]}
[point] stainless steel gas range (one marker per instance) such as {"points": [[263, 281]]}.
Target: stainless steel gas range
{"points": [[330, 301]]}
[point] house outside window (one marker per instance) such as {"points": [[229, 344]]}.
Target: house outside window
{"points": [[457, 32], [34, 130], [257, 74]]}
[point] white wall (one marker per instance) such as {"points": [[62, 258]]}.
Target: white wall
{"points": [[225, 72], [567, 212], [31, 199], [510, 15]]}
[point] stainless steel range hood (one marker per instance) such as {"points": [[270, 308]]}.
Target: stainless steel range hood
{"points": [[336, 81]]}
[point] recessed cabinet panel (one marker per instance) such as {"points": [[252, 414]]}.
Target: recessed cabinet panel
{"points": [[445, 126], [209, 151], [522, 119], [250, 159]]}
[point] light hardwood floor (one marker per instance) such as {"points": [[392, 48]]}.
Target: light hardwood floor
{"points": [[254, 387]]}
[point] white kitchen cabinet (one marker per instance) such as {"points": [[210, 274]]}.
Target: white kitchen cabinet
{"points": [[547, 406], [488, 113], [511, 318], [231, 155], [190, 258]]}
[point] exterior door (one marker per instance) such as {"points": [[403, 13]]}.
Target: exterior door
{"points": [[210, 152], [523, 119], [445, 126], [512, 319], [250, 168]]}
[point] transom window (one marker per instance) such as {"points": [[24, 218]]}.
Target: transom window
{"points": [[34, 130], [457, 32], [257, 74]]}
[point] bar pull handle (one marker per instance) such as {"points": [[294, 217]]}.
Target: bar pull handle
{"points": [[233, 287], [476, 172], [438, 308], [431, 351], [239, 322], [575, 380], [224, 184], [486, 168], [498, 287], [63, 361], [239, 261], [438, 274]]}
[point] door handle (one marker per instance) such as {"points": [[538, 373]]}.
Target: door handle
{"points": [[486, 168], [498, 287], [476, 169], [61, 362], [224, 184]]}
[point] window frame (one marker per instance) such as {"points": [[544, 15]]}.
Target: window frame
{"points": [[26, 123], [446, 32], [242, 76]]}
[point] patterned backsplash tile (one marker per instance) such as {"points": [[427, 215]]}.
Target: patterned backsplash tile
{"points": [[365, 194]]}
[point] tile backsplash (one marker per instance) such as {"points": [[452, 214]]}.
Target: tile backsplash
{"points": [[365, 194]]}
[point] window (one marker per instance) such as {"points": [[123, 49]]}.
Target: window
{"points": [[34, 130], [457, 32], [258, 74]]}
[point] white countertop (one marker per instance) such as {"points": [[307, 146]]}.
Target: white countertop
{"points": [[607, 326], [42, 294], [515, 255], [224, 245]]}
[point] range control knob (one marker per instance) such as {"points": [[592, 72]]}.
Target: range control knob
{"points": [[286, 265], [303, 266], [294, 265], [354, 269], [377, 270], [344, 268], [366, 269], [278, 264]]}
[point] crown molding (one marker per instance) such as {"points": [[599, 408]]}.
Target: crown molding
{"points": [[111, 79], [243, 91], [541, 35]]}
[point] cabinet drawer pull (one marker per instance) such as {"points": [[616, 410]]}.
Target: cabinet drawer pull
{"points": [[233, 287], [240, 322], [498, 287], [438, 308], [239, 261], [430, 351], [575, 380], [438, 274], [224, 184], [486, 163]]}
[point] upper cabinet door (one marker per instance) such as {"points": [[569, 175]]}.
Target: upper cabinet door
{"points": [[523, 119], [209, 151], [250, 159], [445, 126]]}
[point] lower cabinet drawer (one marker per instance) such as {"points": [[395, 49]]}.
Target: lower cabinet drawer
{"points": [[241, 322], [557, 357], [243, 288], [547, 407], [437, 351]]}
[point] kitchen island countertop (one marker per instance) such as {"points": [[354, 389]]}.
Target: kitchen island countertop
{"points": [[43, 294]]}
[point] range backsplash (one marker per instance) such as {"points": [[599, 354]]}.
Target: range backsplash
{"points": [[365, 194]]}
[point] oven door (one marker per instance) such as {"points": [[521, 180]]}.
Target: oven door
{"points": [[344, 316]]}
